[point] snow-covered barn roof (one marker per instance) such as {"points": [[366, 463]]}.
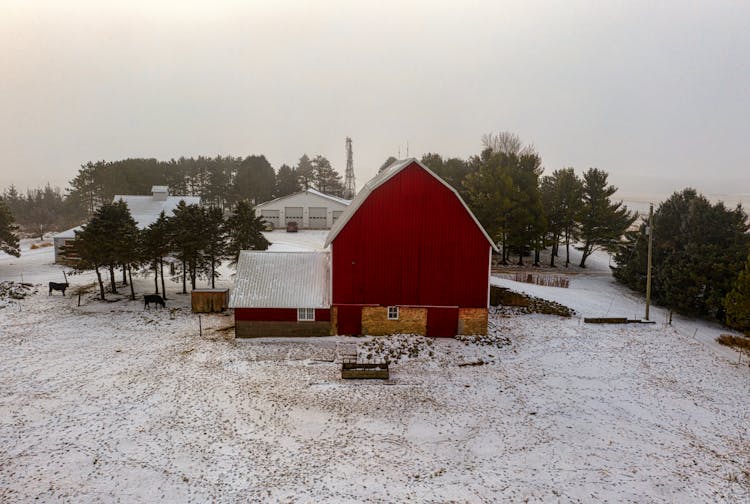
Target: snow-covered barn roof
{"points": [[146, 209], [312, 192], [381, 178], [281, 280]]}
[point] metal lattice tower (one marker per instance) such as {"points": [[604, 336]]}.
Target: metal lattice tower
{"points": [[349, 185]]}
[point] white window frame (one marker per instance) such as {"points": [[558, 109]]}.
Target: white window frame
{"points": [[393, 313], [305, 314]]}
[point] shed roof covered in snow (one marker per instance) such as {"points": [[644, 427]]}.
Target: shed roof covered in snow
{"points": [[309, 192], [146, 209], [281, 280]]}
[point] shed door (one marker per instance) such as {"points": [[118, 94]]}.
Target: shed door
{"points": [[349, 320], [293, 214], [335, 215], [271, 216], [317, 217], [442, 322]]}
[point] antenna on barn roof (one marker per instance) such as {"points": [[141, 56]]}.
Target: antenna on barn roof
{"points": [[349, 183], [407, 148]]}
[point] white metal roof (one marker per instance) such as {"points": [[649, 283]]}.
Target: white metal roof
{"points": [[145, 209], [159, 188], [312, 192], [378, 180], [68, 233], [281, 280]]}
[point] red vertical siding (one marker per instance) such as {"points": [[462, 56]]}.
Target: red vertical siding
{"points": [[411, 242], [442, 322], [349, 319]]}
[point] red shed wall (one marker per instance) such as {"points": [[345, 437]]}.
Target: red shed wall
{"points": [[277, 314], [411, 242]]}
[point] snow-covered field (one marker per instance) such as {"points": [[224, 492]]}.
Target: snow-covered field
{"points": [[108, 402]]}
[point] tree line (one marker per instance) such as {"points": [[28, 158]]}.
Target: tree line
{"points": [[701, 265], [220, 182], [525, 212], [199, 238]]}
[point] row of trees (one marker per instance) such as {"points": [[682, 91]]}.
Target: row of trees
{"points": [[221, 182], [41, 210], [524, 211], [699, 250], [199, 238]]}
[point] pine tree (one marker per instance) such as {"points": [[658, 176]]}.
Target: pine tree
{"points": [[155, 246], [562, 199], [187, 239], [305, 172], [8, 230], [244, 231], [602, 222], [215, 242], [698, 248], [287, 181], [737, 302], [326, 179]]}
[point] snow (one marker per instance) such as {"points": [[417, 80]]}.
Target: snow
{"points": [[111, 402]]}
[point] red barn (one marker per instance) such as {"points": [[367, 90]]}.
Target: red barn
{"points": [[408, 256]]}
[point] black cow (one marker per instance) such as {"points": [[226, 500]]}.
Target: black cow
{"points": [[153, 298], [58, 286]]}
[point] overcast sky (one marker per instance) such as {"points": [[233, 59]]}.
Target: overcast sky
{"points": [[656, 93]]}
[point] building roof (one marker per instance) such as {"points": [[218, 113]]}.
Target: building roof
{"points": [[380, 179], [159, 188], [313, 192], [68, 233], [281, 280], [145, 209]]}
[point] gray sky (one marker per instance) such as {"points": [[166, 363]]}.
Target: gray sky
{"points": [[656, 93]]}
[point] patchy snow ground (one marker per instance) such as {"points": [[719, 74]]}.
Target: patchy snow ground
{"points": [[108, 402]]}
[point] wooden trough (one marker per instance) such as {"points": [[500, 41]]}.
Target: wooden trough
{"points": [[209, 300], [353, 370]]}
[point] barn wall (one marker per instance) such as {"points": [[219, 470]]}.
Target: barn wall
{"points": [[261, 329], [411, 242], [266, 314], [472, 321], [410, 321]]}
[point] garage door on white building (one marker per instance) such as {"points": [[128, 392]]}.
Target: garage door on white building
{"points": [[317, 217], [293, 214], [271, 216]]}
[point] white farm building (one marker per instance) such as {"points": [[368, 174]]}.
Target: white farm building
{"points": [[145, 209], [310, 209]]}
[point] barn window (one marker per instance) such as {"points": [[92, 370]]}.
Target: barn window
{"points": [[393, 313], [305, 314]]}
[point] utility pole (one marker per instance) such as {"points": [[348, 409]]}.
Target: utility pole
{"points": [[650, 230]]}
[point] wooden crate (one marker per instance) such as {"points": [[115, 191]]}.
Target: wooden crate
{"points": [[209, 300], [364, 371]]}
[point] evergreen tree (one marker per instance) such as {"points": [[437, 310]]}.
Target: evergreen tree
{"points": [[388, 162], [305, 172], [737, 302], [287, 181], [244, 231], [214, 243], [562, 198], [602, 223], [8, 230], [698, 248], [452, 170], [255, 180], [326, 179], [155, 246], [187, 239], [102, 242]]}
